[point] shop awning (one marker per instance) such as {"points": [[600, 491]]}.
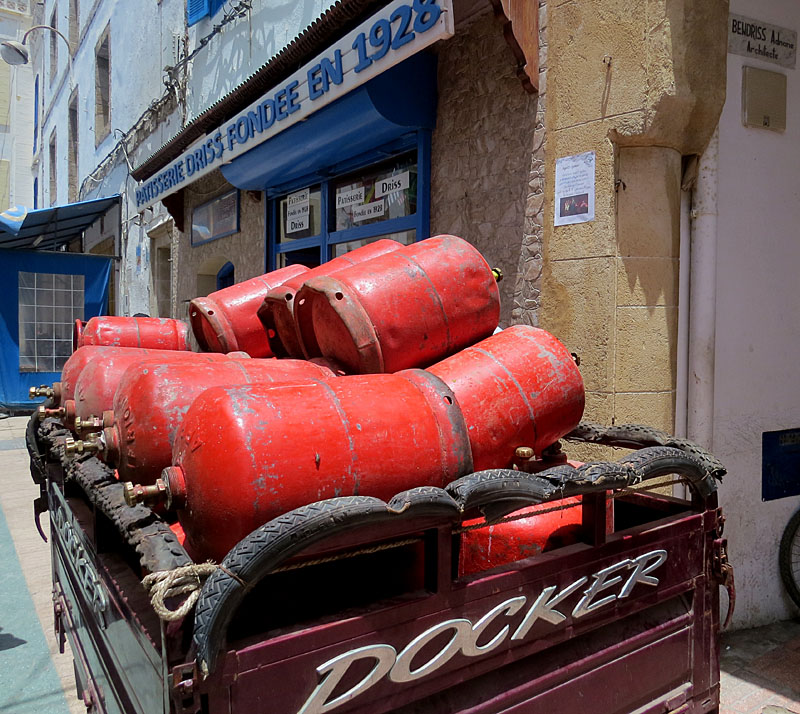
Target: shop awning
{"points": [[400, 101], [50, 228]]}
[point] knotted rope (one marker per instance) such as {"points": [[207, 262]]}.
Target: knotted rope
{"points": [[172, 583]]}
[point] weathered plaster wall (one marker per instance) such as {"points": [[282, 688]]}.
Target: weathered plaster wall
{"points": [[641, 84], [244, 249], [756, 388], [243, 46], [485, 187]]}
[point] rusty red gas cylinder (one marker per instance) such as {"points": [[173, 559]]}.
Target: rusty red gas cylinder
{"points": [[155, 333], [511, 541], [520, 387], [405, 309], [98, 380], [153, 397], [226, 321], [244, 455], [277, 311]]}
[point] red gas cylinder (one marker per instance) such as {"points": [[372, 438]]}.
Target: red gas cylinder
{"points": [[405, 309], [519, 387], [98, 381], [153, 397], [155, 333], [277, 311], [244, 455], [511, 541], [226, 321]]}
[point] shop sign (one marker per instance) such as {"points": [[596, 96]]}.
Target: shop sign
{"points": [[393, 34], [297, 211], [390, 184], [367, 211], [760, 40]]}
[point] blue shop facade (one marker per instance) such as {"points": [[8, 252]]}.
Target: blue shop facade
{"points": [[390, 131]]}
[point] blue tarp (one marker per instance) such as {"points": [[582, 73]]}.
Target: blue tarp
{"points": [[96, 270], [50, 228]]}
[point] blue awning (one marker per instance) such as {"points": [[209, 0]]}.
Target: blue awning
{"points": [[50, 228], [397, 103]]}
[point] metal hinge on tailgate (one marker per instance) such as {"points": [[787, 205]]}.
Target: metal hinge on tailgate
{"points": [[183, 689], [721, 569]]}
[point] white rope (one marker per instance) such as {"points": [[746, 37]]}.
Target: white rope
{"points": [[187, 579]]}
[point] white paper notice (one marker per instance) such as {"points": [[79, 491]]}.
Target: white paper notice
{"points": [[390, 184], [367, 211], [575, 189], [297, 211], [353, 197]]}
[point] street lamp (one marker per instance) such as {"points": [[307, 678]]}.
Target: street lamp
{"points": [[16, 53]]}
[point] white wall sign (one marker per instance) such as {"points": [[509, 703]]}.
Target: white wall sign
{"points": [[353, 197], [760, 40], [297, 211], [390, 184], [367, 211], [575, 189], [391, 35]]}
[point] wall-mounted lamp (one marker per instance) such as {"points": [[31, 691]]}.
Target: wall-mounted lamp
{"points": [[16, 53]]}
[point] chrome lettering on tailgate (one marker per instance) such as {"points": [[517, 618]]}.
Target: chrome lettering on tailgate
{"points": [[69, 535], [598, 590]]}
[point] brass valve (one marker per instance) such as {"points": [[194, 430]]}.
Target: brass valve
{"points": [[524, 452], [76, 446], [147, 495], [42, 391], [498, 274], [43, 412], [90, 424]]}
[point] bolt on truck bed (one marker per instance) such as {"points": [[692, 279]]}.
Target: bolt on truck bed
{"points": [[353, 606]]}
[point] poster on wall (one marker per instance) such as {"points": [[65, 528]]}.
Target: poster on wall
{"points": [[575, 189]]}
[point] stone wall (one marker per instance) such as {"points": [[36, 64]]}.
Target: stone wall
{"points": [[487, 162], [244, 249]]}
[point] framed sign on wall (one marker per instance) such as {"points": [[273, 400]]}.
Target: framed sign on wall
{"points": [[215, 219]]}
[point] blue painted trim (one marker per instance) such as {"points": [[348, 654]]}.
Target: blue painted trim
{"points": [[299, 244], [423, 184], [391, 225]]}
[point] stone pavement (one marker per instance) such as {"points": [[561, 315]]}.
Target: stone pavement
{"points": [[760, 667]]}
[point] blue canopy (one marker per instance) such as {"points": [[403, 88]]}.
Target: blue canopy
{"points": [[50, 228]]}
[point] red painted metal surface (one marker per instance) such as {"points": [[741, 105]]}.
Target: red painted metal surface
{"points": [[244, 455], [509, 542], [277, 311], [153, 397], [405, 309], [519, 387], [149, 332], [226, 320], [99, 378]]}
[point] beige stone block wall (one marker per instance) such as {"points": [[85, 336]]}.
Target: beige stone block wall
{"points": [[640, 83], [244, 249], [486, 185]]}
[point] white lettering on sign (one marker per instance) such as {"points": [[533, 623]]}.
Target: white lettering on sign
{"points": [[394, 33], [367, 211], [391, 184], [760, 40], [353, 197], [463, 635]]}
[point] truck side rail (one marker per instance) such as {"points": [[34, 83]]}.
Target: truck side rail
{"points": [[494, 494]]}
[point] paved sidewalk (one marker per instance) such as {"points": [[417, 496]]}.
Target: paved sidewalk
{"points": [[760, 667], [34, 677]]}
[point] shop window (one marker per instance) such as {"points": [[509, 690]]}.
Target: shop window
{"points": [[53, 47], [53, 163], [217, 218], [387, 199], [102, 89], [72, 148], [196, 10], [49, 304]]}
